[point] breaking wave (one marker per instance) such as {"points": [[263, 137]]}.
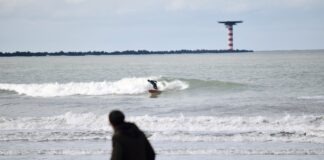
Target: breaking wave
{"points": [[312, 97], [222, 151], [89, 126], [124, 86]]}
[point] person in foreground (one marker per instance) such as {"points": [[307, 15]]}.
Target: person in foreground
{"points": [[128, 141]]}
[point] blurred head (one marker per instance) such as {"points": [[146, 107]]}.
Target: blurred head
{"points": [[116, 118]]}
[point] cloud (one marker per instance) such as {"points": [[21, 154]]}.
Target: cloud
{"points": [[79, 8], [238, 6], [75, 1]]}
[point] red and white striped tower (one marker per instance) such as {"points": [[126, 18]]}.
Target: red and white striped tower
{"points": [[229, 26], [230, 37]]}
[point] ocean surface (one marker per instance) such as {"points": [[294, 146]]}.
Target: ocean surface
{"points": [[261, 105]]}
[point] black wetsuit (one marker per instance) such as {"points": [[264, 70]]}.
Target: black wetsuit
{"points": [[153, 83]]}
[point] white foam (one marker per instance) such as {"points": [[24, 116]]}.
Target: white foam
{"points": [[221, 151], [202, 128], [319, 97], [229, 151], [67, 121], [120, 87]]}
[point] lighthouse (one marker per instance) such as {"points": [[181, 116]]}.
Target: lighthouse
{"points": [[229, 25]]}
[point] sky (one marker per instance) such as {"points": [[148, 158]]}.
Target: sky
{"points": [[111, 25]]}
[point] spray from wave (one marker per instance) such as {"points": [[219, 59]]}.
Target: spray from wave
{"points": [[124, 86]]}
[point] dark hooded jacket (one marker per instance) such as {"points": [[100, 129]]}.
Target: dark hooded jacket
{"points": [[130, 143]]}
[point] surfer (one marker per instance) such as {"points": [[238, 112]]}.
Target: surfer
{"points": [[153, 82]]}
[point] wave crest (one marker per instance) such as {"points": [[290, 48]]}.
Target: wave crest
{"points": [[124, 86]]}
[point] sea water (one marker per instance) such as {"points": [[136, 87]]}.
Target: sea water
{"points": [[261, 105]]}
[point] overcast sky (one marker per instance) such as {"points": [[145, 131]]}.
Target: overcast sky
{"points": [[109, 25]]}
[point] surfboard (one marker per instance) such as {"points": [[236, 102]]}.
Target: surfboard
{"points": [[153, 91]]}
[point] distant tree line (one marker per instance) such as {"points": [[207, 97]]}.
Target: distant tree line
{"points": [[127, 52]]}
